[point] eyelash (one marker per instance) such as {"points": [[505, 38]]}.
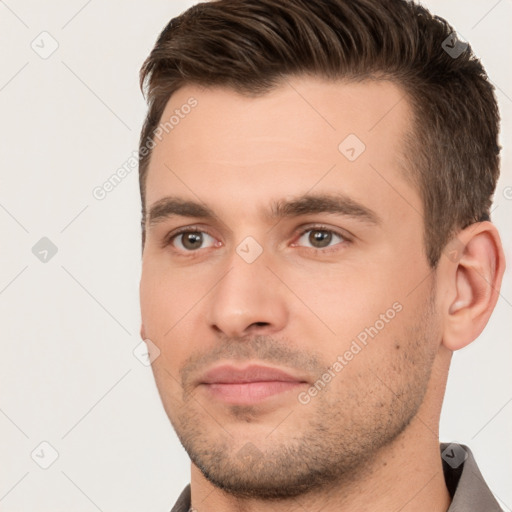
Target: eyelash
{"points": [[196, 229]]}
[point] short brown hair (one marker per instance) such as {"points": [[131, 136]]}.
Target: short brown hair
{"points": [[252, 45]]}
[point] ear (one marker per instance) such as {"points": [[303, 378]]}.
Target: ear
{"points": [[142, 332], [472, 274]]}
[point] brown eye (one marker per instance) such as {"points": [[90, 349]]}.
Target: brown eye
{"points": [[320, 238], [192, 240]]}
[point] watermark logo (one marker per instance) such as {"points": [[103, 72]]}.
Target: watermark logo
{"points": [[44, 455], [249, 454], [454, 250], [249, 249], [351, 147], [454, 45], [454, 455], [146, 352], [44, 250], [45, 45]]}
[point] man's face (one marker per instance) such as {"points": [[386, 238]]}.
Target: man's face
{"points": [[292, 305]]}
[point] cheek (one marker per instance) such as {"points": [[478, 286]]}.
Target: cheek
{"points": [[166, 295], [167, 300], [346, 299]]}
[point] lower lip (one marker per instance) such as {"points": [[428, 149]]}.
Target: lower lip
{"points": [[250, 392]]}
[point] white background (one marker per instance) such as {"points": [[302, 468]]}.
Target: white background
{"points": [[69, 326]]}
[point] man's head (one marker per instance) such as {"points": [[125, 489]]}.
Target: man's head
{"points": [[310, 163], [451, 148]]}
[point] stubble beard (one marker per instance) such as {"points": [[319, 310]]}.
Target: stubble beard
{"points": [[339, 433]]}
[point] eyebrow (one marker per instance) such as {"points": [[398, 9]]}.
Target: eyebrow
{"points": [[307, 204], [339, 204], [174, 206]]}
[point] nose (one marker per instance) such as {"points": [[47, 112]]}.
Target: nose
{"points": [[248, 299]]}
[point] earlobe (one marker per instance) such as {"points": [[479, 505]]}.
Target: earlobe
{"points": [[474, 284], [142, 332]]}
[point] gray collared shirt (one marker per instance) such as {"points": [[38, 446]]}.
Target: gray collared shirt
{"points": [[465, 483]]}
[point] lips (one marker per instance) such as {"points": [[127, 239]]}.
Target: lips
{"points": [[248, 385], [230, 375]]}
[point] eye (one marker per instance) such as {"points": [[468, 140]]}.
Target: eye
{"points": [[319, 238], [192, 240]]}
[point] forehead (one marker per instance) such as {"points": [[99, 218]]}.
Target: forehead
{"points": [[305, 134]]}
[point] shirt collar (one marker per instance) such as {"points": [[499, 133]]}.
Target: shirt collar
{"points": [[464, 481]]}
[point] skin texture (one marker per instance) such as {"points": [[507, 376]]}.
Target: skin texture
{"points": [[369, 439]]}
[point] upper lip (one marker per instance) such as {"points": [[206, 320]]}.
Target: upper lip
{"points": [[228, 374]]}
